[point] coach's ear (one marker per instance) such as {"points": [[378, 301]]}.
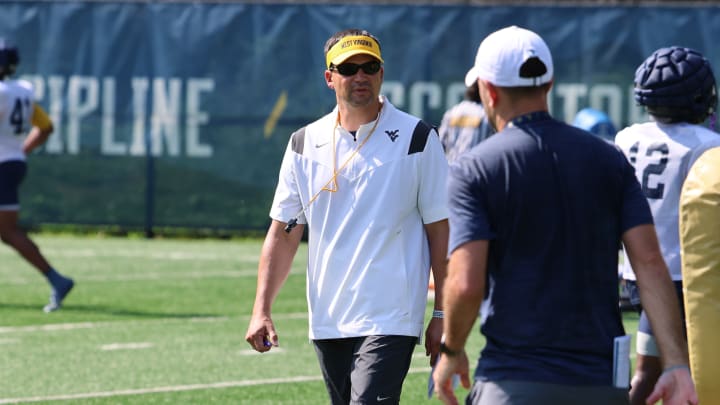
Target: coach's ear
{"points": [[492, 92], [328, 79]]}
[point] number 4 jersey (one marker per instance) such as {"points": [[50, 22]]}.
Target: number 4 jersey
{"points": [[16, 108], [662, 155]]}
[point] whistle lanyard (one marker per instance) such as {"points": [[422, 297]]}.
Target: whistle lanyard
{"points": [[336, 170]]}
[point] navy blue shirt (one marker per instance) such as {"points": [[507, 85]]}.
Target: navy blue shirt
{"points": [[553, 201]]}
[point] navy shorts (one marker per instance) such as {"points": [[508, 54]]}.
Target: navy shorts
{"points": [[12, 174]]}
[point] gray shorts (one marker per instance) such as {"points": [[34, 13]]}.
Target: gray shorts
{"points": [[365, 370], [533, 393]]}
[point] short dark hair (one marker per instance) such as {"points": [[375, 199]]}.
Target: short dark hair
{"points": [[472, 92], [9, 59]]}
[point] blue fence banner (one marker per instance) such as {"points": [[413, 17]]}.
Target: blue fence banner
{"points": [[177, 114]]}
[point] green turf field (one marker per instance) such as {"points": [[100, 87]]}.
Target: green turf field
{"points": [[159, 322]]}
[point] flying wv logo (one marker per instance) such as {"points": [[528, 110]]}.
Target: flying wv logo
{"points": [[393, 134]]}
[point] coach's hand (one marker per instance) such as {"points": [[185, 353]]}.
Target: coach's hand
{"points": [[433, 334], [261, 333], [675, 387], [447, 367]]}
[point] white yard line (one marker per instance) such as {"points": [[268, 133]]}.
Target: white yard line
{"points": [[50, 327], [126, 346], [166, 275], [177, 388], [251, 352], [149, 254], [160, 255], [91, 325]]}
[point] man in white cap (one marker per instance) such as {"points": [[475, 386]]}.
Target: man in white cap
{"points": [[368, 180], [537, 213]]}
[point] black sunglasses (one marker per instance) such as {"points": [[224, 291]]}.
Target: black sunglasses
{"points": [[350, 69]]}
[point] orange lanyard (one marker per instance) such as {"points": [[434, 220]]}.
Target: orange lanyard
{"points": [[336, 171]]}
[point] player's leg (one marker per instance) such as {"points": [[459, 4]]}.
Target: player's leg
{"points": [[647, 372], [380, 367], [625, 302], [12, 235], [11, 175], [336, 360], [16, 238], [633, 295], [647, 361], [648, 366]]}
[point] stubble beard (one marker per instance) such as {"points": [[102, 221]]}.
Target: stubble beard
{"points": [[363, 100]]}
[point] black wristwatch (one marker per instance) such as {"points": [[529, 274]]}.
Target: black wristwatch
{"points": [[446, 350]]}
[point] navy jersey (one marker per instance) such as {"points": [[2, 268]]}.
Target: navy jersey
{"points": [[553, 201]]}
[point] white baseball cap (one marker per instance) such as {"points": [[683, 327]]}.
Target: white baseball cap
{"points": [[512, 57]]}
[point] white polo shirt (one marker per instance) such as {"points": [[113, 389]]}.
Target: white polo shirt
{"points": [[368, 254]]}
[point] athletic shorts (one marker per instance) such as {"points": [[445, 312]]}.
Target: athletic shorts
{"points": [[12, 174], [534, 393], [645, 343], [365, 370]]}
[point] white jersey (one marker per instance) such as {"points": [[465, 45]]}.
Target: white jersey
{"points": [[462, 127], [16, 108], [662, 155], [368, 254]]}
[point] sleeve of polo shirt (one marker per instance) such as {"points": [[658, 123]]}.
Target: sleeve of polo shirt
{"points": [[635, 208], [468, 211], [287, 203], [433, 177]]}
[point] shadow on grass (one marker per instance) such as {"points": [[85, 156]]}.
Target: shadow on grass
{"points": [[112, 311]]}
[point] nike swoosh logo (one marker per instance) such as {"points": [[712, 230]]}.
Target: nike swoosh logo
{"points": [[320, 145], [380, 399]]}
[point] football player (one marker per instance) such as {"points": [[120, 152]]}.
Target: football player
{"points": [[23, 127], [677, 87]]}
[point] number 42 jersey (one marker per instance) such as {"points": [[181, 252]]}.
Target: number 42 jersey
{"points": [[16, 109], [662, 155]]}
